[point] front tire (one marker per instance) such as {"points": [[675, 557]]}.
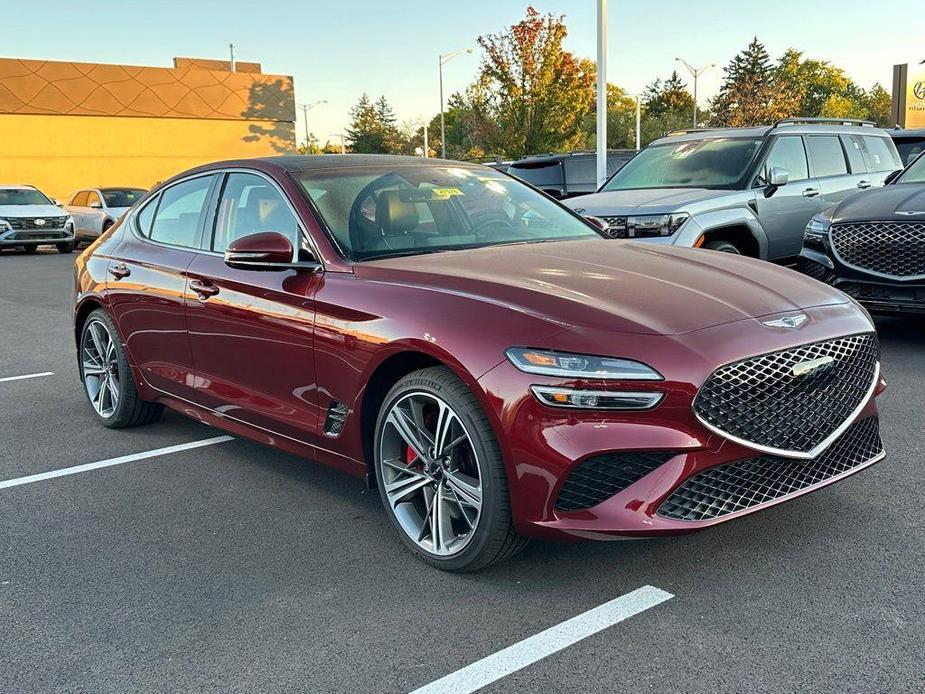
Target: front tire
{"points": [[107, 376], [440, 474], [30, 248], [66, 247], [722, 246]]}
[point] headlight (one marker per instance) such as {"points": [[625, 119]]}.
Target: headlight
{"points": [[819, 225], [595, 399], [565, 365], [651, 225], [5, 225], [69, 222]]}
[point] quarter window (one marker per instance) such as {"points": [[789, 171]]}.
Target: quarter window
{"points": [[789, 154], [855, 154], [827, 156], [80, 200], [145, 215], [180, 211], [250, 204], [880, 155]]}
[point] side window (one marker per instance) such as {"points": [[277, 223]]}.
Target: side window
{"points": [[580, 171], [826, 155], [880, 154], [855, 154], [180, 211], [93, 199], [251, 204], [788, 153], [80, 200], [145, 215]]}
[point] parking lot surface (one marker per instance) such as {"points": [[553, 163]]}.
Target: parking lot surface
{"points": [[236, 568]]}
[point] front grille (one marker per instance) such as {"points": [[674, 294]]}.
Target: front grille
{"points": [[616, 227], [762, 401], [890, 249], [29, 223], [817, 271], [599, 478], [745, 484]]}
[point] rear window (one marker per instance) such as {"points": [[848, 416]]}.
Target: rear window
{"points": [[540, 174], [880, 154], [826, 156], [909, 148], [122, 197]]}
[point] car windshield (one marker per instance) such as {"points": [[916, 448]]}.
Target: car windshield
{"points": [[122, 197], [380, 211], [22, 196], [710, 163], [915, 173]]}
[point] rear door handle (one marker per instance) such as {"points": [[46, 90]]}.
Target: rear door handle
{"points": [[810, 192], [203, 289], [119, 271], [863, 184]]}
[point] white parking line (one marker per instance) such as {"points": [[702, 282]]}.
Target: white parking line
{"points": [[511, 659], [113, 461], [20, 378]]}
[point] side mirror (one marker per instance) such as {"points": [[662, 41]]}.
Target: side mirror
{"points": [[892, 176], [268, 250], [597, 222], [57, 202], [777, 177], [96, 205]]}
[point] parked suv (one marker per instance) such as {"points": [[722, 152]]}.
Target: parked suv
{"points": [[567, 175], [909, 142], [742, 190], [96, 209], [872, 246], [28, 219]]}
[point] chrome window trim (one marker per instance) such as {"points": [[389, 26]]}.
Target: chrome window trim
{"points": [[156, 197]]}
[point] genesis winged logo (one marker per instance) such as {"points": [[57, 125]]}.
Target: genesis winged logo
{"points": [[807, 367], [786, 321]]}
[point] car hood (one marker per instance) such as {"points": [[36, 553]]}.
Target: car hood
{"points": [[611, 285], [642, 201], [31, 211], [900, 201]]}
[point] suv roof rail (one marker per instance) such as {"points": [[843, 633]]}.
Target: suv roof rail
{"points": [[685, 131], [830, 121]]}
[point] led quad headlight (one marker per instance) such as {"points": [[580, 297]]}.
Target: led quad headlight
{"points": [[566, 365]]}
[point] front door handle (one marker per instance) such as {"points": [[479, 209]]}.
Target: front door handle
{"points": [[810, 192], [119, 271], [863, 185], [203, 289]]}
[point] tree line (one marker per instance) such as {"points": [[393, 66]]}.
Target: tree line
{"points": [[532, 96]]}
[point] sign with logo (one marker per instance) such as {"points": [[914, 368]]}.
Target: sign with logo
{"points": [[909, 95]]}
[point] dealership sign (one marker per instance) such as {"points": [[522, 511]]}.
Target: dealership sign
{"points": [[909, 95]]}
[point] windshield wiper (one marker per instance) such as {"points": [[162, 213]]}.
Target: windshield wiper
{"points": [[403, 254]]}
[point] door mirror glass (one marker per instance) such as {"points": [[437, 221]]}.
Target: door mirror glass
{"points": [[778, 176], [266, 250]]}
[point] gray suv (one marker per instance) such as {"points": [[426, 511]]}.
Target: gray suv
{"points": [[741, 190]]}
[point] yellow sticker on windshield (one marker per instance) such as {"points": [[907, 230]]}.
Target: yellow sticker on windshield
{"points": [[446, 193]]}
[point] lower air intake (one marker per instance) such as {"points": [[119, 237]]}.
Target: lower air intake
{"points": [[599, 478]]}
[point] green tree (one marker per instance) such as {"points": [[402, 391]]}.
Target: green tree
{"points": [[661, 98], [532, 94], [372, 128], [751, 94], [879, 102]]}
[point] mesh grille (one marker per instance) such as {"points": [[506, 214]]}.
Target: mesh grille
{"points": [[761, 401], [894, 249], [817, 271], [745, 484], [28, 223], [599, 478]]}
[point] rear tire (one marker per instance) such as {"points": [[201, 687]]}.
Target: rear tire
{"points": [[107, 376], [66, 247], [722, 246], [30, 248], [468, 477]]}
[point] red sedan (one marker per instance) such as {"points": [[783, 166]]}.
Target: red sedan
{"points": [[479, 353]]}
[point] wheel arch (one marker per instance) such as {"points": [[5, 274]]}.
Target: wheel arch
{"points": [[737, 234], [736, 225], [86, 307]]}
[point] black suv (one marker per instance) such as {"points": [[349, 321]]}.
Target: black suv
{"points": [[909, 142], [872, 244], [567, 175]]}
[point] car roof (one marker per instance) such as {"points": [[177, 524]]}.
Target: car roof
{"points": [[907, 132], [761, 131], [553, 157], [16, 186], [309, 162]]}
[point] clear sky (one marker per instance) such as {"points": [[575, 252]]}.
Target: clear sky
{"points": [[338, 49]]}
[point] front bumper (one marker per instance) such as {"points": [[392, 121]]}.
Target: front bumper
{"points": [[544, 447], [18, 237], [877, 294]]}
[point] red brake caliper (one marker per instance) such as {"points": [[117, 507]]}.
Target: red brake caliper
{"points": [[410, 455]]}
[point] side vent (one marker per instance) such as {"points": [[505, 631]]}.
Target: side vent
{"points": [[337, 415]]}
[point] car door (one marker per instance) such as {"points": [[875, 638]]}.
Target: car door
{"points": [[828, 164], [252, 331], [147, 285], [95, 213], [785, 212], [77, 208]]}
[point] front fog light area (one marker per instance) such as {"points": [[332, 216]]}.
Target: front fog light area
{"points": [[595, 399]]}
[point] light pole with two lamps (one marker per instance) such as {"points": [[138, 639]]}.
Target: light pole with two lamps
{"points": [[695, 72]]}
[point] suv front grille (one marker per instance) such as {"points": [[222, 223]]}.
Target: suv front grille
{"points": [[763, 401], [599, 478], [28, 223], [745, 484], [889, 249]]}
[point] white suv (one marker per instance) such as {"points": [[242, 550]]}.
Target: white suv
{"points": [[28, 219], [96, 209]]}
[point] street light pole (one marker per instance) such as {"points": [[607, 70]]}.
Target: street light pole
{"points": [[442, 60], [601, 92], [343, 147], [695, 72], [305, 109], [638, 122]]}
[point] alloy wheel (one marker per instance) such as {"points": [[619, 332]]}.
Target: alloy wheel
{"points": [[430, 473], [100, 363]]}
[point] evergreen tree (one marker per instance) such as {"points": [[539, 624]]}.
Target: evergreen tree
{"points": [[751, 93], [372, 127]]}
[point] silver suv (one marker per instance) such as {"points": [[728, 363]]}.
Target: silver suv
{"points": [[741, 190]]}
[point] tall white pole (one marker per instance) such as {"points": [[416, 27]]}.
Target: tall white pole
{"points": [[601, 91], [426, 145], [233, 65], [638, 122], [442, 122]]}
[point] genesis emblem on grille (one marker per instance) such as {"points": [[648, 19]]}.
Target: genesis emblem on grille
{"points": [[786, 321], [808, 367]]}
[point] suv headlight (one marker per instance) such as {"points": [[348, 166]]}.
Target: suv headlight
{"points": [[69, 223], [4, 225], [817, 230], [567, 365], [653, 225]]}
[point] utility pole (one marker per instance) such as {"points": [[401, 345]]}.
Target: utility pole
{"points": [[601, 92], [305, 108], [638, 122], [233, 65], [426, 145], [442, 60], [695, 72]]}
